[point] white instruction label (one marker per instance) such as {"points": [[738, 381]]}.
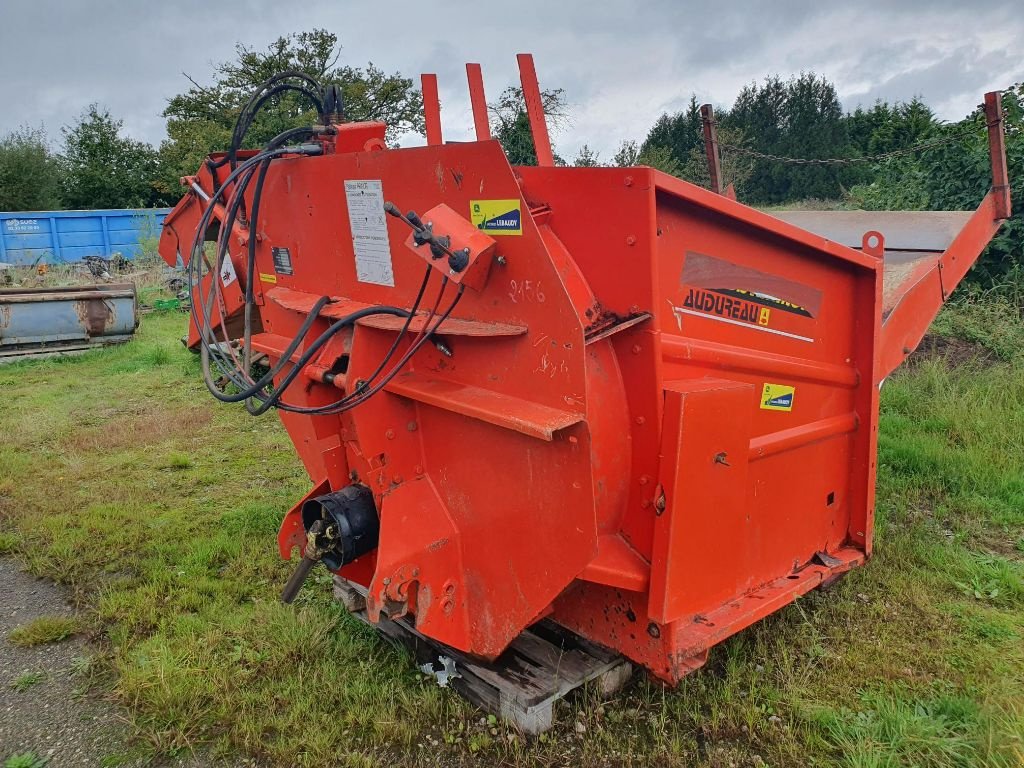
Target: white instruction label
{"points": [[369, 232]]}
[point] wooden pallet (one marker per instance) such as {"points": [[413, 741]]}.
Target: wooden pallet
{"points": [[541, 666]]}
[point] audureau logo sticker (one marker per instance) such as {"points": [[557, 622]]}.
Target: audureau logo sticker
{"points": [[726, 292], [497, 217]]}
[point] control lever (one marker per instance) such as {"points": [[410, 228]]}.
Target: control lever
{"points": [[422, 234], [321, 538]]}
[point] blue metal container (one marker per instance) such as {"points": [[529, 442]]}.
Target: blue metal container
{"points": [[58, 237]]}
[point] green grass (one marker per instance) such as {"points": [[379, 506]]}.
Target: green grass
{"points": [[23, 682], [45, 629], [25, 760], [161, 516]]}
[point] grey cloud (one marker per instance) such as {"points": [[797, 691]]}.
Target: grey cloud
{"points": [[620, 63]]}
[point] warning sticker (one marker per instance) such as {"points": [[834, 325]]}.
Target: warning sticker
{"points": [[227, 272], [267, 278], [777, 397], [368, 222], [497, 217]]}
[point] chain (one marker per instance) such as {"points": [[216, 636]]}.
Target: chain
{"points": [[847, 160]]}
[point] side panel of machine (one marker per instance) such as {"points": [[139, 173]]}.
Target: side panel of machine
{"points": [[702, 530], [743, 303]]}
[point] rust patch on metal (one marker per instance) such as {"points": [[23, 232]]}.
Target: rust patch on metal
{"points": [[95, 315]]}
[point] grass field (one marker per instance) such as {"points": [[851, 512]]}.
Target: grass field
{"points": [[121, 478]]}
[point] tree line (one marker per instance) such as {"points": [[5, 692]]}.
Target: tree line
{"points": [[97, 166], [799, 118]]}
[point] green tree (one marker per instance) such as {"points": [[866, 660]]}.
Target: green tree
{"points": [[630, 153], [29, 172], [885, 128], [510, 124], [735, 167], [680, 133], [103, 169], [955, 176], [201, 120], [800, 117], [586, 158]]}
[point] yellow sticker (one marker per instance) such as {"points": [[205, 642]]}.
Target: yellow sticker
{"points": [[497, 217], [265, 278], [763, 316], [777, 397]]}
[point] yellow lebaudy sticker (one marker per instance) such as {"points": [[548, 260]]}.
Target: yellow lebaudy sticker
{"points": [[265, 278], [497, 217], [777, 397]]}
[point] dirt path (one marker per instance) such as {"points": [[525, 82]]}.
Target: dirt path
{"points": [[52, 718], [49, 718]]}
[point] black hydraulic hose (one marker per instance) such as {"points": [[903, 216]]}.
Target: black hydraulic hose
{"points": [[268, 377], [226, 227], [258, 97], [342, 406], [332, 407], [315, 346], [196, 257], [405, 327], [269, 88], [250, 271], [242, 128]]}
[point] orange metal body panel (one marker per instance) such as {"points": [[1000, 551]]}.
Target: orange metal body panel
{"points": [[658, 419]]}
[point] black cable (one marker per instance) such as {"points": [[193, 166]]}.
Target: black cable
{"points": [[197, 257], [307, 354], [333, 407], [255, 391], [341, 406], [259, 97], [241, 128]]}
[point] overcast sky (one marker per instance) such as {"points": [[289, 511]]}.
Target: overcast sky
{"points": [[621, 63]]}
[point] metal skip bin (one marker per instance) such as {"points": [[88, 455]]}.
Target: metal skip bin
{"points": [[65, 320]]}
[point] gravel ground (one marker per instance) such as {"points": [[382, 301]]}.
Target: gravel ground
{"points": [[53, 718]]}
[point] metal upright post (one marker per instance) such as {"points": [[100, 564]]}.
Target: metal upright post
{"points": [[711, 148]]}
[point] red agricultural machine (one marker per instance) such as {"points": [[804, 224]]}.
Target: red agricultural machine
{"points": [[602, 397]]}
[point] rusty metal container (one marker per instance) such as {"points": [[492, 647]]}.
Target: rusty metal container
{"points": [[38, 321]]}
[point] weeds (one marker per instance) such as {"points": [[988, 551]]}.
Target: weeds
{"points": [[8, 543], [45, 629], [25, 760], [23, 682], [939, 732]]}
